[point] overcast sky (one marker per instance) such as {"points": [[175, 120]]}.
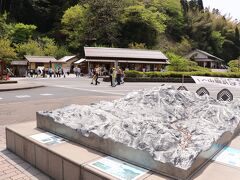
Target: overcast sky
{"points": [[231, 7]]}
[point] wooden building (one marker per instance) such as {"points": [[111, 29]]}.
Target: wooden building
{"points": [[205, 59], [133, 59], [68, 62], [47, 62], [19, 68]]}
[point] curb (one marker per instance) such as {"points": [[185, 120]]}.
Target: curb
{"points": [[8, 82], [22, 88]]}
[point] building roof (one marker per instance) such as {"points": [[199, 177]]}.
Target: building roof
{"points": [[40, 59], [66, 58], [80, 61], [205, 53], [123, 53], [19, 63]]}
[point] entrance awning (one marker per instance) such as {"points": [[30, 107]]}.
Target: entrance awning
{"points": [[79, 61], [100, 60]]}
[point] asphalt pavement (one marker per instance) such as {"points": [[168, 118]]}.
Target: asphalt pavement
{"points": [[22, 105]]}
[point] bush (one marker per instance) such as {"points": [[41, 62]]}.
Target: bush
{"points": [[234, 65], [137, 74]]}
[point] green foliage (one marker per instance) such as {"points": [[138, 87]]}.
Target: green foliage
{"points": [[174, 17], [137, 74], [5, 28], [43, 47], [22, 32], [29, 48], [181, 48], [142, 25], [103, 21], [6, 51], [45, 14], [216, 41], [234, 65], [180, 64], [168, 25], [136, 46], [74, 23]]}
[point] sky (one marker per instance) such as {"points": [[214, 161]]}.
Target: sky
{"points": [[231, 7]]}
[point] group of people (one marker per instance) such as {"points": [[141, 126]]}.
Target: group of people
{"points": [[116, 76], [43, 72], [77, 71]]}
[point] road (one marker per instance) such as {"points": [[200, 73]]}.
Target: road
{"points": [[19, 106]]}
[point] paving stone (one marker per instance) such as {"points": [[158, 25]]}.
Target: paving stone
{"points": [[13, 167]]}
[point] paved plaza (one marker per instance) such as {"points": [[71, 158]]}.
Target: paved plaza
{"points": [[21, 106]]}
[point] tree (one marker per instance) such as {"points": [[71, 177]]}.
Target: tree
{"points": [[22, 32], [141, 25], [45, 14], [237, 36], [234, 65], [5, 28], [178, 63], [200, 5], [137, 46], [103, 21], [174, 17], [216, 42], [74, 23], [50, 48], [29, 48], [184, 4], [6, 51]]}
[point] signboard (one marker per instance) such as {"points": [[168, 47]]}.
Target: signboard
{"points": [[228, 156], [118, 168], [48, 138], [227, 82]]}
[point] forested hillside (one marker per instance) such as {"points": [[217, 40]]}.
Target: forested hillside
{"points": [[60, 27]]}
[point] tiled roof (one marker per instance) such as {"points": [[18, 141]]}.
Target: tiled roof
{"points": [[66, 58], [20, 63], [40, 59], [97, 52]]}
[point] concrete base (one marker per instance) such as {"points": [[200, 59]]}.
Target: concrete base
{"points": [[65, 161], [133, 156], [69, 161]]}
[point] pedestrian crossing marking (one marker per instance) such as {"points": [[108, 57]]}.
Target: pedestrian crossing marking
{"points": [[23, 96], [46, 94]]}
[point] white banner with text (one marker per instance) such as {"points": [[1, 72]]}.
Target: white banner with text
{"points": [[227, 82]]}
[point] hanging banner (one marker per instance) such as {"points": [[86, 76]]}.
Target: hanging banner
{"points": [[227, 82]]}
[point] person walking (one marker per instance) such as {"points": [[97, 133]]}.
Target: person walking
{"points": [[93, 75], [78, 72], [114, 78], [118, 75], [75, 71], [122, 76], [97, 75], [50, 72], [111, 76]]}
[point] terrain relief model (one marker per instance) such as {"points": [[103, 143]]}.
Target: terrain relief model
{"points": [[171, 126]]}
